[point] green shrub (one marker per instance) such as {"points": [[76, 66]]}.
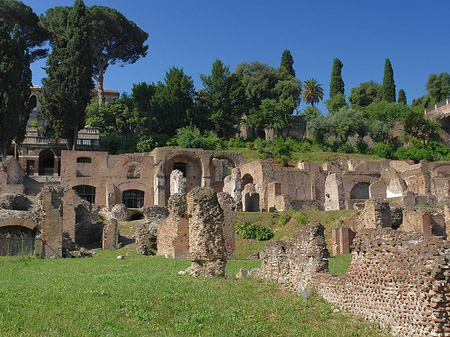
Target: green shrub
{"points": [[249, 230], [302, 219], [189, 137], [382, 150], [285, 218]]}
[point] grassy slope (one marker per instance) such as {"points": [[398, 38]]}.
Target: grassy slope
{"points": [[328, 219], [144, 296]]}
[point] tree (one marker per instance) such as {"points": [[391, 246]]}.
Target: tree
{"points": [[336, 83], [286, 63], [346, 123], [15, 82], [336, 102], [172, 105], [401, 97], [438, 87], [312, 92], [66, 90], [224, 98], [114, 40], [417, 126], [388, 91], [32, 34], [365, 94]]}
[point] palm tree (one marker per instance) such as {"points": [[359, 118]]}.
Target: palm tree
{"points": [[312, 92]]}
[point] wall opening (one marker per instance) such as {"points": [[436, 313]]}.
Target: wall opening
{"points": [[133, 198], [86, 192], [46, 163], [360, 191]]}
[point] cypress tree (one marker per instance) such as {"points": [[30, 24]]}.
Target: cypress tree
{"points": [[15, 82], [286, 62], [388, 90], [336, 83], [401, 97], [69, 69]]}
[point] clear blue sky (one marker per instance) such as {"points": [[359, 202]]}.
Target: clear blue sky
{"points": [[191, 35]]}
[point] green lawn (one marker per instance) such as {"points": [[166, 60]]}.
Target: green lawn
{"points": [[145, 296]]}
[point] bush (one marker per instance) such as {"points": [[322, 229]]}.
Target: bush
{"points": [[249, 230], [382, 150], [189, 137], [285, 218], [212, 142], [302, 219]]}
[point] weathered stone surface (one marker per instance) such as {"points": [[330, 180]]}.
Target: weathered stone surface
{"points": [[177, 182], [342, 240], [110, 237], [228, 207], [207, 251], [376, 214], [52, 221], [334, 193], [173, 231], [119, 212], [18, 202], [293, 263], [146, 235], [233, 186]]}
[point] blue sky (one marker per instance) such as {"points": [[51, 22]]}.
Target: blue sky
{"points": [[191, 35]]}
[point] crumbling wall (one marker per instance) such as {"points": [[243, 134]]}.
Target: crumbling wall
{"points": [[402, 280], [52, 221], [146, 235], [110, 235], [232, 185], [207, 251], [228, 207], [293, 263], [342, 240], [334, 193], [376, 214], [173, 232]]}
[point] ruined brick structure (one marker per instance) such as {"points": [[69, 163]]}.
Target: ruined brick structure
{"points": [[397, 279]]}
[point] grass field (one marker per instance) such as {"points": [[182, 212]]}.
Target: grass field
{"points": [[145, 296]]}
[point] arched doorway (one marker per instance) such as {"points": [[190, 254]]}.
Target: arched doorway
{"points": [[86, 192], [133, 198], [46, 163], [247, 179], [360, 191]]}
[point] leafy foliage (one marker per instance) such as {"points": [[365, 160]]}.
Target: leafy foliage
{"points": [[401, 97], [249, 230], [365, 94], [287, 62]]}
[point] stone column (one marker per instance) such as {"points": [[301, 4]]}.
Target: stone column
{"points": [[52, 223], [206, 243]]}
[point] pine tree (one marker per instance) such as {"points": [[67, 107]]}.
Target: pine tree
{"points": [[15, 82], [336, 83], [388, 90], [286, 63], [401, 97], [69, 69]]}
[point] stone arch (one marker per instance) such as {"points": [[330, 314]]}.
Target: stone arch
{"points": [[47, 160], [25, 223], [360, 191], [33, 102], [193, 171], [247, 179]]}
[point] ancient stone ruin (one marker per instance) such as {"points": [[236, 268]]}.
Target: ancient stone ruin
{"points": [[200, 227], [207, 251]]}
